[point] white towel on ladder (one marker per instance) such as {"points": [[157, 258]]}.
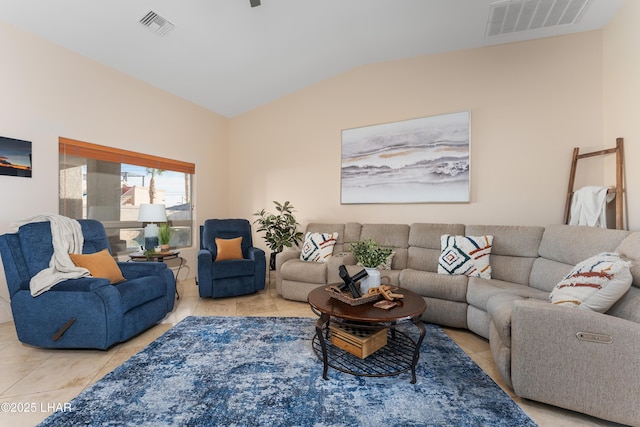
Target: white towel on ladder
{"points": [[589, 207]]}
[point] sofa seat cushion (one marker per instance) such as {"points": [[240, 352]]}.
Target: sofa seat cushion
{"points": [[136, 292], [302, 271], [434, 285], [480, 291], [233, 268]]}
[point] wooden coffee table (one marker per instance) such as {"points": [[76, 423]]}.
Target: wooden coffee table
{"points": [[399, 355]]}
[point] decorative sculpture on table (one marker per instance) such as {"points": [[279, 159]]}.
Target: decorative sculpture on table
{"points": [[350, 281]]}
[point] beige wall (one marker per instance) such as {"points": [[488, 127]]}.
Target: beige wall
{"points": [[49, 92], [530, 104], [622, 99]]}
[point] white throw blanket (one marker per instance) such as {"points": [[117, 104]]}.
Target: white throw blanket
{"points": [[589, 207], [66, 235]]}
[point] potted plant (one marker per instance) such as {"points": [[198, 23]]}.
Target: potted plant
{"points": [[370, 255], [164, 236], [281, 229]]}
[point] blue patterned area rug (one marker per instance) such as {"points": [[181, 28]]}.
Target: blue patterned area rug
{"points": [[262, 371]]}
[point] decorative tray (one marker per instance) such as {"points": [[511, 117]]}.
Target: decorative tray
{"points": [[347, 298]]}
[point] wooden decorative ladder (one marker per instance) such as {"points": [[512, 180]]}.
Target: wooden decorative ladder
{"points": [[619, 190]]}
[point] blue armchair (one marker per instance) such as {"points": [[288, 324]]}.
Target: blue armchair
{"points": [[230, 277], [87, 312]]}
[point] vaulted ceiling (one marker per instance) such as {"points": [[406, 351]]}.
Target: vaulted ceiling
{"points": [[230, 57]]}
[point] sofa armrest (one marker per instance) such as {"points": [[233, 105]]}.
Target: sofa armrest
{"points": [[133, 269], [281, 258], [205, 262], [82, 284], [576, 359], [285, 256], [255, 254]]}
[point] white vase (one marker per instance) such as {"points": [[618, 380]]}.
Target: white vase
{"points": [[371, 281]]}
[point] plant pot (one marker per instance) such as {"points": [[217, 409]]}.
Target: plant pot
{"points": [[371, 281], [164, 248], [272, 261]]}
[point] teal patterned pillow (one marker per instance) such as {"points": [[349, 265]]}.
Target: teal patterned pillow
{"points": [[318, 247], [465, 255]]}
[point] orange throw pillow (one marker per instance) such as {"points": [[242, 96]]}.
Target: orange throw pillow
{"points": [[100, 264], [229, 249]]}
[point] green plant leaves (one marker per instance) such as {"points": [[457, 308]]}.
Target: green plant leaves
{"points": [[369, 253], [281, 230]]}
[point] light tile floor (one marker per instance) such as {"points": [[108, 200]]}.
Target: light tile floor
{"points": [[35, 382]]}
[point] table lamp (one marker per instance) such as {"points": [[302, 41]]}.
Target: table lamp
{"points": [[151, 213]]}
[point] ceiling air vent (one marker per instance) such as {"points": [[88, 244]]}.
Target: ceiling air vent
{"points": [[156, 23], [523, 15]]}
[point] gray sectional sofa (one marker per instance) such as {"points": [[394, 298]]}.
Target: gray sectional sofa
{"points": [[576, 359]]}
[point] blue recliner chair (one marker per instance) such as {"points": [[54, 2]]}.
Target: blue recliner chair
{"points": [[87, 312], [231, 277]]}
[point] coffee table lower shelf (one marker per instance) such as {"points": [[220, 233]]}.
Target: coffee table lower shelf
{"points": [[393, 359]]}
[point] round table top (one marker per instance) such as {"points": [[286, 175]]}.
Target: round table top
{"points": [[142, 255], [409, 307]]}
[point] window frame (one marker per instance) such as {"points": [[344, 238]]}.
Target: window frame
{"points": [[76, 148]]}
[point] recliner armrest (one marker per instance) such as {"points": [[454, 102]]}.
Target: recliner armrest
{"points": [[285, 256], [255, 253], [204, 255], [576, 359], [82, 284], [133, 270]]}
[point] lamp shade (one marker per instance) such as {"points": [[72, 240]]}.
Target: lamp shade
{"points": [[152, 213]]}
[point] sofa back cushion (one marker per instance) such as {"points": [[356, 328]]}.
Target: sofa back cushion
{"points": [[316, 227], [513, 251], [425, 246], [395, 236], [95, 236], [628, 307], [564, 246], [352, 232], [37, 246], [629, 249], [225, 229]]}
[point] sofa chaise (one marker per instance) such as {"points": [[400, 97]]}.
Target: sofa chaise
{"points": [[568, 357]]}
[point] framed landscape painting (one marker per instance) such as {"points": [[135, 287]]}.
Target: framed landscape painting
{"points": [[15, 157], [423, 160]]}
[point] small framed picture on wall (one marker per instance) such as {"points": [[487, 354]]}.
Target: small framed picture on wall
{"points": [[15, 157]]}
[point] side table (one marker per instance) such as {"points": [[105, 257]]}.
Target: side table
{"points": [[159, 257]]}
